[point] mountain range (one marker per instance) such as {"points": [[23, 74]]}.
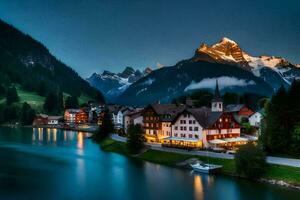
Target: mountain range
{"points": [[112, 84], [225, 61]]}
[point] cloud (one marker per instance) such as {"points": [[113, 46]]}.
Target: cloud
{"points": [[159, 65], [224, 81]]}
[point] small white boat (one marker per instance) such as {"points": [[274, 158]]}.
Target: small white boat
{"points": [[206, 168]]}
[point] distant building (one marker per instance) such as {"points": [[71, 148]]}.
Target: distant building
{"points": [[240, 111], [255, 119], [43, 119], [75, 116], [132, 117]]}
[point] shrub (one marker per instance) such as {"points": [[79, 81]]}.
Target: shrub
{"points": [[135, 138], [250, 161]]}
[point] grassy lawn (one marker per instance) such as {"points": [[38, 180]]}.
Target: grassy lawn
{"points": [[285, 173], [114, 146], [31, 98], [276, 172], [36, 101]]}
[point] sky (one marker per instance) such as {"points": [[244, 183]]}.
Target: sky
{"points": [[95, 35]]}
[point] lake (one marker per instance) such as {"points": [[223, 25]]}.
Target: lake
{"points": [[56, 164]]}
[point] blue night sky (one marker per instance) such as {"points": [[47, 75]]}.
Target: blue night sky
{"points": [[91, 35]]}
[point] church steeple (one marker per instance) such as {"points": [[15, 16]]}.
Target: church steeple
{"points": [[217, 102], [217, 91]]}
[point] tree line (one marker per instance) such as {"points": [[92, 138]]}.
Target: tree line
{"points": [[281, 126], [11, 111]]}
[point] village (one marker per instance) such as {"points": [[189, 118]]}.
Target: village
{"points": [[218, 128]]}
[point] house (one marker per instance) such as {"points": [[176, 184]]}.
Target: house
{"points": [[43, 119], [54, 120], [198, 127], [40, 119], [255, 119], [117, 113], [132, 117], [157, 120], [240, 111], [204, 127], [75, 116]]}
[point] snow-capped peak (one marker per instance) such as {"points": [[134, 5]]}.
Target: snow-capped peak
{"points": [[227, 40]]}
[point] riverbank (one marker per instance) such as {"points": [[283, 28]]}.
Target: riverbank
{"points": [[276, 174]]}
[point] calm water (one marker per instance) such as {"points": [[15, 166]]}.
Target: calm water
{"points": [[54, 164]]}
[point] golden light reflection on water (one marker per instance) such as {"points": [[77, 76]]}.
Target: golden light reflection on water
{"points": [[56, 137], [80, 142], [198, 187]]}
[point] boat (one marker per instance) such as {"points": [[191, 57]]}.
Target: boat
{"points": [[206, 168]]}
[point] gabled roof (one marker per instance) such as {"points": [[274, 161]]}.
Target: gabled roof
{"points": [[234, 107], [73, 110], [55, 117], [167, 112], [204, 116]]}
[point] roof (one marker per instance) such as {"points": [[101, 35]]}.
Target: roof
{"points": [[167, 112], [55, 117], [204, 116], [73, 110], [234, 107], [134, 114], [235, 139], [216, 141], [42, 115]]}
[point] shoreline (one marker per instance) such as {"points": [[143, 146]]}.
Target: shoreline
{"points": [[174, 160], [51, 127]]}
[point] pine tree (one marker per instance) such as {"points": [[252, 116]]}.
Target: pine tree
{"points": [[51, 103], [294, 103], [277, 129], [28, 114], [71, 102], [136, 138], [42, 89], [2, 90], [60, 101], [105, 128], [11, 96]]}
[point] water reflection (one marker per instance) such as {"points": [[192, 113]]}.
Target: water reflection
{"points": [[42, 136], [198, 186]]}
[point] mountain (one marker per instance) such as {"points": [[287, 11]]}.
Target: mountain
{"points": [[188, 76], [28, 63], [236, 71], [276, 71], [114, 84]]}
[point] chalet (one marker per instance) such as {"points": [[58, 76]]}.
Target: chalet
{"points": [[240, 111], [197, 127], [132, 117], [75, 116], [42, 119], [204, 127], [54, 120], [157, 120]]}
